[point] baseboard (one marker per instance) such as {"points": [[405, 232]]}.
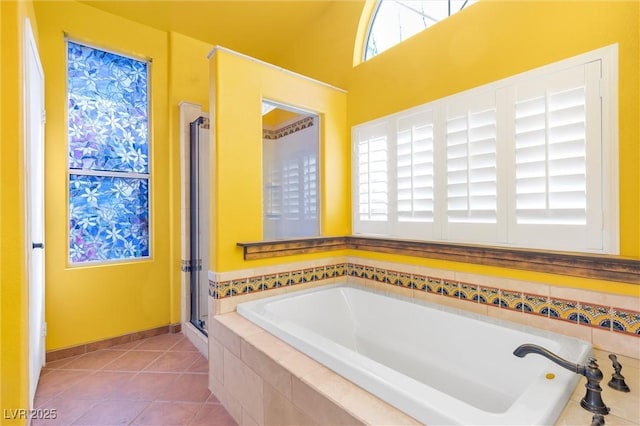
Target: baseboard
{"points": [[57, 354]]}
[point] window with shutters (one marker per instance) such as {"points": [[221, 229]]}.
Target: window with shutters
{"points": [[529, 161]]}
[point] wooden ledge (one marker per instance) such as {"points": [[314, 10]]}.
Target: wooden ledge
{"points": [[267, 249], [603, 267]]}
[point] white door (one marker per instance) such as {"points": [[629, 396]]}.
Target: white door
{"points": [[34, 198]]}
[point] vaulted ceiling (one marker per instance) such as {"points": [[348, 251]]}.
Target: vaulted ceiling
{"points": [[315, 38]]}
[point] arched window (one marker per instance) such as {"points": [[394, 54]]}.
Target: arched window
{"points": [[397, 20]]}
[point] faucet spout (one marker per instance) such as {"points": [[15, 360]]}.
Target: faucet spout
{"points": [[592, 400], [528, 348]]}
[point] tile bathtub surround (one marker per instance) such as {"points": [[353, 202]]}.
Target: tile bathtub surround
{"points": [[262, 380]]}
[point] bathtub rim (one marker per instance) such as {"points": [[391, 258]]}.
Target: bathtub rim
{"points": [[406, 398], [253, 305]]}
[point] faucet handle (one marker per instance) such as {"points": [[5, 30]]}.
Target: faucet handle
{"points": [[592, 400], [617, 380]]}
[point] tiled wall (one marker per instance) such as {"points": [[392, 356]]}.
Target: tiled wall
{"points": [[521, 301]]}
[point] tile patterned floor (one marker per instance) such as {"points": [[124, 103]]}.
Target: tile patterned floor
{"points": [[161, 380]]}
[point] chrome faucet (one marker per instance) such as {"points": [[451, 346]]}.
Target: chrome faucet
{"points": [[592, 400]]}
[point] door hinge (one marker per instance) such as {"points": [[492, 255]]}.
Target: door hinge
{"points": [[44, 329], [191, 265], [44, 116]]}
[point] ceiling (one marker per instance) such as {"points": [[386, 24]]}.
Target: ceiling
{"points": [[263, 29]]}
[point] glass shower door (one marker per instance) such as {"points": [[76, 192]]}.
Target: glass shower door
{"points": [[199, 281]]}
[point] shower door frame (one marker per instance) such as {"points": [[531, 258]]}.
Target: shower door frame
{"points": [[196, 220], [190, 112]]}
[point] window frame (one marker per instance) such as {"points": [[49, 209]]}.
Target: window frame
{"points": [[374, 16], [608, 90], [111, 174]]}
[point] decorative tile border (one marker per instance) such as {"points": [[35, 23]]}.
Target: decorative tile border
{"points": [[580, 313], [288, 129]]}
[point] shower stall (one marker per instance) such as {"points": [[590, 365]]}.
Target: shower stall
{"points": [[199, 282], [195, 164]]}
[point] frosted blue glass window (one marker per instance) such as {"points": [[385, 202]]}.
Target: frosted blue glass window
{"points": [[108, 136]]}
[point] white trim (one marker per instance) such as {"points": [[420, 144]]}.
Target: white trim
{"points": [[610, 156], [33, 93], [87, 172], [196, 337], [69, 38], [275, 67]]}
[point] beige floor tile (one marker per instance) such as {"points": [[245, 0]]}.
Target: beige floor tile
{"points": [[200, 365], [107, 386], [57, 381], [212, 415], [146, 386], [66, 411], [111, 413], [93, 360], [99, 385], [133, 360], [173, 362], [187, 387], [168, 413], [160, 343]]}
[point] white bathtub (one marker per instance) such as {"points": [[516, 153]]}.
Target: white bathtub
{"points": [[439, 365]]}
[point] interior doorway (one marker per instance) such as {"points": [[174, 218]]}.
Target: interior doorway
{"points": [[34, 117]]}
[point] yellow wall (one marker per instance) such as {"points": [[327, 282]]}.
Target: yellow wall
{"points": [[279, 116], [188, 81], [238, 86], [324, 49], [94, 302], [492, 40], [14, 365]]}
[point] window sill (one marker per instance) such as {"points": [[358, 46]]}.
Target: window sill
{"points": [[603, 267]]}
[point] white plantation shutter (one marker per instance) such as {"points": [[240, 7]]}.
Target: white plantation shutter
{"points": [[291, 189], [529, 161], [371, 186], [550, 147], [310, 187], [471, 166], [414, 168], [558, 160]]}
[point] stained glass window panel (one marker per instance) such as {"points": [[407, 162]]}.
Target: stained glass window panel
{"points": [[108, 111], [109, 218], [108, 151]]}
